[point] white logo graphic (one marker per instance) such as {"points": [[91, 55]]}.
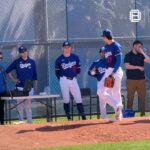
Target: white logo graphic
{"points": [[107, 54], [69, 65], [135, 15], [101, 70], [26, 65]]}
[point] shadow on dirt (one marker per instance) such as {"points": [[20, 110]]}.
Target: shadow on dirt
{"points": [[145, 121], [61, 127]]}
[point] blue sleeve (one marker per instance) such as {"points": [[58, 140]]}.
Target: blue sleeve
{"points": [[118, 49], [3, 70], [57, 69], [89, 72], [34, 71], [78, 65], [11, 67], [92, 66], [118, 63]]}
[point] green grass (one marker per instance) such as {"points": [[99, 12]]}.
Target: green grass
{"points": [[61, 119], [137, 145]]}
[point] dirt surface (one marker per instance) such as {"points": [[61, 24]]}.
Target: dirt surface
{"points": [[25, 136]]}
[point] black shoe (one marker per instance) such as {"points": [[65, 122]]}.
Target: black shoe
{"points": [[69, 118], [83, 117]]}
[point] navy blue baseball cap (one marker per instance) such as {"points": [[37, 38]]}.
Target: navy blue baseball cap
{"points": [[22, 49], [107, 33], [102, 49], [66, 43]]}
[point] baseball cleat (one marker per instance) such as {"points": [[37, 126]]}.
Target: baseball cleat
{"points": [[118, 113], [83, 117], [19, 122]]}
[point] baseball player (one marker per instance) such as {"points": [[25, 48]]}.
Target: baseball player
{"points": [[113, 55], [97, 70], [3, 88], [25, 69], [67, 68]]}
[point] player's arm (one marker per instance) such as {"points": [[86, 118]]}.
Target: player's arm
{"points": [[91, 70], [146, 57], [3, 70], [118, 55], [16, 81], [78, 65], [9, 70], [131, 67], [118, 63], [57, 69]]}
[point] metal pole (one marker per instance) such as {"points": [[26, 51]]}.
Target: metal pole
{"points": [[136, 30], [46, 21], [67, 19], [136, 25]]}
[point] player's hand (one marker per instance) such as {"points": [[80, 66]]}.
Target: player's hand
{"points": [[93, 71], [16, 81], [111, 75], [140, 50], [141, 68]]}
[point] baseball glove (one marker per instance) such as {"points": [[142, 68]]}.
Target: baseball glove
{"points": [[109, 82]]}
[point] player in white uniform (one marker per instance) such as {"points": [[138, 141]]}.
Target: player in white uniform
{"points": [[97, 70], [67, 68], [113, 55]]}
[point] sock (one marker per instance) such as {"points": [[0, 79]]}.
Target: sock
{"points": [[67, 110], [81, 111]]}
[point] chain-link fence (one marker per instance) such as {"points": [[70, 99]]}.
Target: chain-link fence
{"points": [[42, 26]]}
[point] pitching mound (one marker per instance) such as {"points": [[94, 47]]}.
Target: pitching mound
{"points": [[20, 137]]}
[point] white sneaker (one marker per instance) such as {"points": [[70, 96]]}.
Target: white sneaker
{"points": [[104, 118], [19, 122], [113, 120]]}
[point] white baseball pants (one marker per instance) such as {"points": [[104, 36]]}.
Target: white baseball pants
{"points": [[102, 104], [72, 86], [111, 96], [27, 105]]}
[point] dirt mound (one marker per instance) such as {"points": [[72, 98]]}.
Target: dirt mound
{"points": [[24, 136]]}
